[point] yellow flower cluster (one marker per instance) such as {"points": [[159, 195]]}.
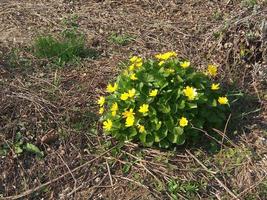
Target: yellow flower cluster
{"points": [[129, 115], [136, 62], [114, 109], [165, 56], [129, 94], [101, 102]]}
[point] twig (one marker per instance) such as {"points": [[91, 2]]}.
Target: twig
{"points": [[225, 129], [110, 177]]}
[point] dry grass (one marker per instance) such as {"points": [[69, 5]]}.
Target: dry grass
{"points": [[55, 110]]}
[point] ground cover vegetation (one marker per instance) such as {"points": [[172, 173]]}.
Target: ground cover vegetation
{"points": [[133, 99]]}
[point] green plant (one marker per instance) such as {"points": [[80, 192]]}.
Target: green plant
{"points": [[121, 39], [162, 102], [70, 46], [19, 146], [249, 3], [189, 189]]}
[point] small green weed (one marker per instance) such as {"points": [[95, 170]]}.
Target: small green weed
{"points": [[70, 46], [121, 39], [249, 3], [189, 189], [20, 146]]}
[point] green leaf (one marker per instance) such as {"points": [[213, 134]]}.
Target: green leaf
{"points": [[164, 144], [178, 130], [181, 104], [214, 103], [161, 134], [179, 79], [18, 149], [178, 94], [3, 152], [132, 132], [147, 77], [31, 148], [164, 108], [177, 136], [191, 105], [169, 122], [156, 123], [126, 168], [142, 137], [149, 140]]}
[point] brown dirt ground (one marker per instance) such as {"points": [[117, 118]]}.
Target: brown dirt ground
{"points": [[58, 104]]}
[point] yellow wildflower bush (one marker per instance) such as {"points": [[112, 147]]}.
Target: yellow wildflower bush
{"points": [[161, 101]]}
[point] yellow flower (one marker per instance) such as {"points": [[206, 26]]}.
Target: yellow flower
{"points": [[185, 64], [131, 67], [129, 113], [101, 110], [215, 86], [114, 109], [111, 88], [139, 60], [133, 59], [153, 93], [107, 125], [190, 92], [161, 63], [133, 77], [223, 100], [101, 101], [124, 96], [166, 56], [131, 93], [183, 122], [139, 64], [129, 121], [141, 128], [212, 70], [144, 108]]}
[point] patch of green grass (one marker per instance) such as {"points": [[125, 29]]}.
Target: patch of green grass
{"points": [[121, 39], [188, 189], [249, 3], [68, 47]]}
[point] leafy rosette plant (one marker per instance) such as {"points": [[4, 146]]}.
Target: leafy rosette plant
{"points": [[162, 101]]}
